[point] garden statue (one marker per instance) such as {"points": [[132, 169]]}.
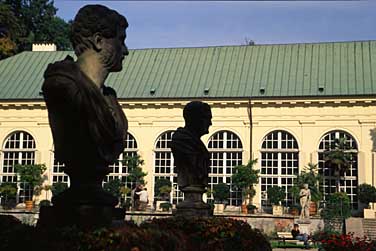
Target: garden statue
{"points": [[192, 159], [305, 200], [88, 124]]}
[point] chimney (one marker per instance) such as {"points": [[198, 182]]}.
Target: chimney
{"points": [[44, 47]]}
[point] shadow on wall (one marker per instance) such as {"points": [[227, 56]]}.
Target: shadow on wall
{"points": [[373, 138]]}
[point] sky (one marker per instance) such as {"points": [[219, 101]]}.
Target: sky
{"points": [[166, 24]]}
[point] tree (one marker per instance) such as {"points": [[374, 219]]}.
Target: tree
{"points": [[338, 158], [135, 173], [33, 21], [9, 29], [244, 177]]}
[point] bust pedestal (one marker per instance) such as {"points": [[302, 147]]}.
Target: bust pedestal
{"points": [[193, 205]]}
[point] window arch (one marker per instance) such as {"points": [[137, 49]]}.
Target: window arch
{"points": [[349, 182], [164, 167], [18, 148], [226, 152], [119, 170], [279, 164]]}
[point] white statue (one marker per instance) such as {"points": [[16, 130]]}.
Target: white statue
{"points": [[305, 199]]}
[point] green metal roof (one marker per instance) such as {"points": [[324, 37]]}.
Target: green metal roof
{"points": [[289, 70]]}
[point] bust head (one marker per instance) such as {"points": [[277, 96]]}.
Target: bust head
{"points": [[305, 186], [102, 30], [197, 116]]}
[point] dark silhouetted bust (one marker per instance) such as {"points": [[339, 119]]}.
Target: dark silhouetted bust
{"points": [[192, 159], [88, 124]]}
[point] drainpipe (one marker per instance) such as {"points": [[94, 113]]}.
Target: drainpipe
{"points": [[250, 128]]}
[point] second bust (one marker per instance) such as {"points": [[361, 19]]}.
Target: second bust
{"points": [[192, 159]]}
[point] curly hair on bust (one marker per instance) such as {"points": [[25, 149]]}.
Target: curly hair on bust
{"points": [[92, 19]]}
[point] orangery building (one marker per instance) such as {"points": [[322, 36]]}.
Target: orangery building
{"points": [[283, 105]]}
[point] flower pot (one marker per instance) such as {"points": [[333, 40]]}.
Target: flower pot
{"points": [[244, 209], [219, 208], [277, 210], [312, 208], [294, 211], [29, 205]]}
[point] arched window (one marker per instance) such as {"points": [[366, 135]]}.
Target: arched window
{"points": [[279, 164], [164, 167], [19, 148], [226, 152], [58, 175], [119, 169], [349, 181]]}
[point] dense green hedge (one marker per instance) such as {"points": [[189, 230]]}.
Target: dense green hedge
{"points": [[174, 233]]}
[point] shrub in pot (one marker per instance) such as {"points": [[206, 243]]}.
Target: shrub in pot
{"points": [[366, 194], [58, 188], [251, 208], [44, 203], [275, 196], [8, 191], [221, 192], [243, 178], [166, 206], [32, 176]]}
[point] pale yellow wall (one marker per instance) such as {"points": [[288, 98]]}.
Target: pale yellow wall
{"points": [[307, 122]]}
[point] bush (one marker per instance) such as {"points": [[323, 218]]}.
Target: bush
{"points": [[8, 191], [113, 187], [366, 193], [168, 234], [44, 203], [276, 194], [336, 209], [166, 206], [162, 187], [221, 192], [58, 188], [338, 242]]}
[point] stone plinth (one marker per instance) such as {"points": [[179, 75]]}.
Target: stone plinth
{"points": [[193, 205]]}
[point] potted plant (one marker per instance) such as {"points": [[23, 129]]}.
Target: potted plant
{"points": [[251, 209], [367, 195], [44, 203], [58, 188], [8, 192], [31, 175], [162, 190], [221, 193], [275, 196], [125, 202], [113, 187], [243, 178], [166, 206]]}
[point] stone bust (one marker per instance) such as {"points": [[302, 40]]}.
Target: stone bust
{"points": [[87, 122], [191, 157]]}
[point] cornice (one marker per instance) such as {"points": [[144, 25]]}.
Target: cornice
{"points": [[235, 103]]}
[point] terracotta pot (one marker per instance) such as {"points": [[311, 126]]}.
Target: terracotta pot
{"points": [[29, 205], [244, 209], [312, 208], [294, 211]]}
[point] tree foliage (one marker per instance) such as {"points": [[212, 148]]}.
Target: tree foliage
{"points": [[244, 177], [366, 193], [134, 164], [309, 175], [338, 158], [24, 22]]}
